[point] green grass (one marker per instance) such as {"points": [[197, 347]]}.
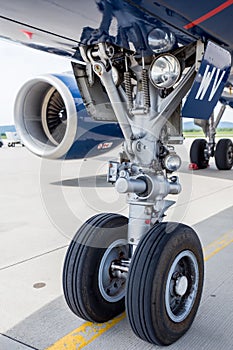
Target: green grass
{"points": [[199, 133]]}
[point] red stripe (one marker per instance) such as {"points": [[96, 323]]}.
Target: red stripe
{"points": [[209, 14]]}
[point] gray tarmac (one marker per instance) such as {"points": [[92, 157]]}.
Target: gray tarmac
{"points": [[43, 203]]}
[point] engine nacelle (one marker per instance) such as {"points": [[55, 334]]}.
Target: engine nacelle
{"points": [[51, 120]]}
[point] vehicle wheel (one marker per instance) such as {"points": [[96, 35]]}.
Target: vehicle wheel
{"points": [[9, 144], [91, 290], [165, 283], [224, 154], [1, 144], [197, 153]]}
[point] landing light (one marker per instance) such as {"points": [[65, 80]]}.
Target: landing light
{"points": [[172, 162], [164, 71], [161, 40]]}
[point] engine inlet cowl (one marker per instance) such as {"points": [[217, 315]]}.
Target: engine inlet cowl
{"points": [[45, 115]]}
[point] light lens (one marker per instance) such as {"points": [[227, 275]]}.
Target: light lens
{"points": [[164, 71], [172, 162], [161, 40]]}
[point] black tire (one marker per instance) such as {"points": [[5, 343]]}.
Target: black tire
{"points": [[156, 312], [224, 154], [9, 144], [90, 290], [1, 144], [197, 153]]}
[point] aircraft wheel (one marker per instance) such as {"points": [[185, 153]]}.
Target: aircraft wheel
{"points": [[197, 153], [9, 144], [91, 290], [165, 283], [224, 154]]}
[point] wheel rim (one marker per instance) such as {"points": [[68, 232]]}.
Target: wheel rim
{"points": [[182, 286], [112, 288], [230, 154]]}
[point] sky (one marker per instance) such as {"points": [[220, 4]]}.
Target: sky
{"points": [[19, 64]]}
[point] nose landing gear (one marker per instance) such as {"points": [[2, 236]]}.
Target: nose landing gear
{"points": [[155, 268]]}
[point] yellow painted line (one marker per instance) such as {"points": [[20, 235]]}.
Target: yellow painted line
{"points": [[218, 245], [84, 335], [88, 331]]}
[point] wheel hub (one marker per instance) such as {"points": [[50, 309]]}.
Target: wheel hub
{"points": [[230, 154], [112, 287], [181, 286], [181, 291]]}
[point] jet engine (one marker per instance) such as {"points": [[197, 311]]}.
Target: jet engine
{"points": [[52, 122]]}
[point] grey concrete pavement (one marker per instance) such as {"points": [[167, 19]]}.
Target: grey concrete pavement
{"points": [[42, 205]]}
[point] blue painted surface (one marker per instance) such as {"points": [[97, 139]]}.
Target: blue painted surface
{"points": [[209, 83], [95, 140], [180, 13]]}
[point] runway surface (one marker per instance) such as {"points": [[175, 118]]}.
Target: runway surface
{"points": [[44, 202]]}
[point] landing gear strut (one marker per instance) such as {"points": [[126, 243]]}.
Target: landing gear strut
{"points": [[157, 267]]}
